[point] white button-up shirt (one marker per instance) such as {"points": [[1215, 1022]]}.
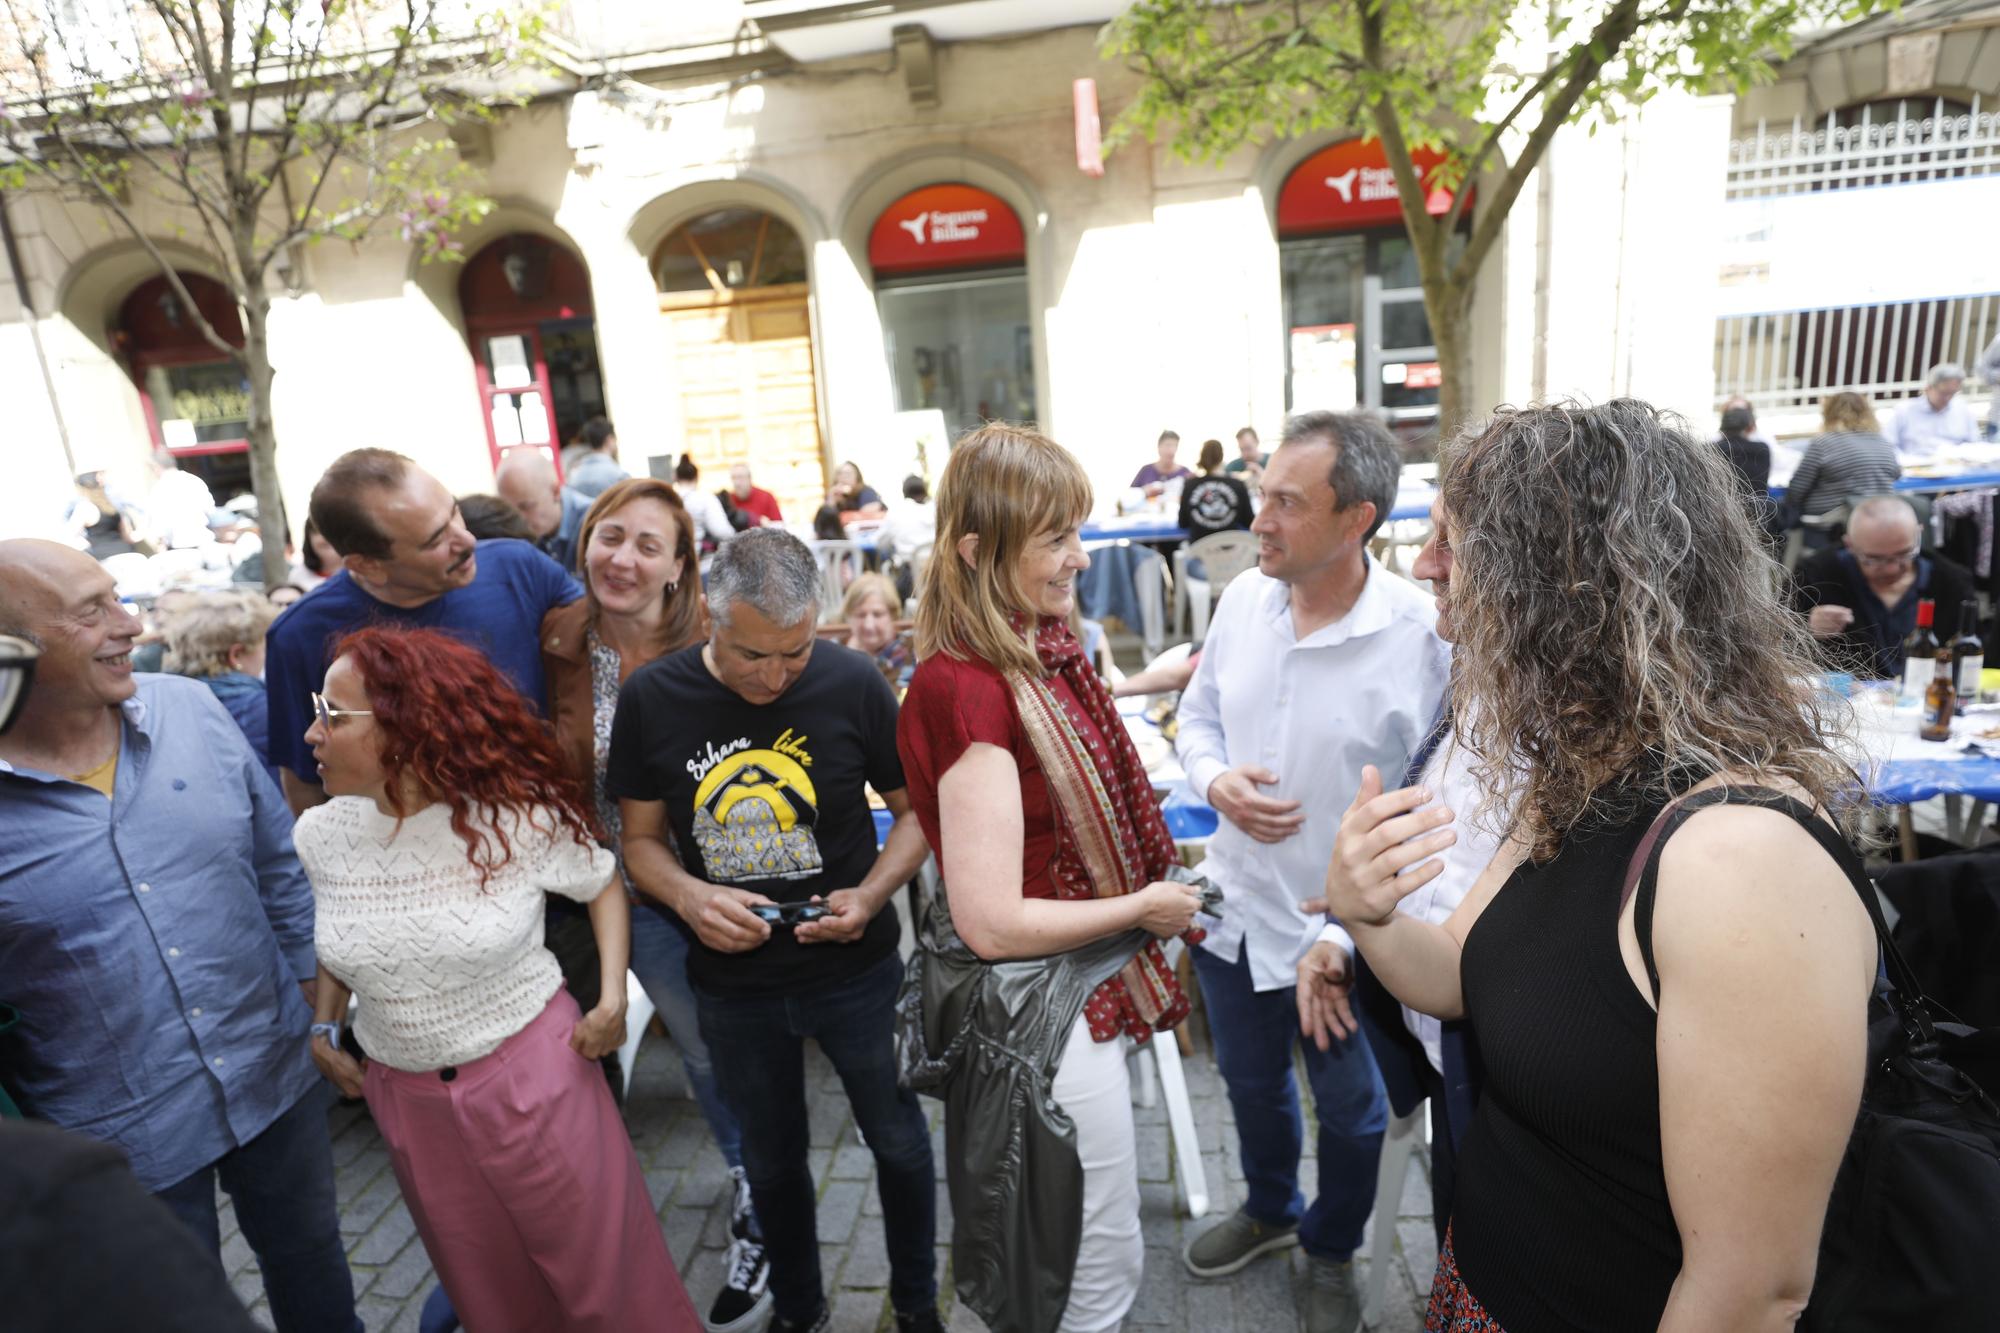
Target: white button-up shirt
{"points": [[1362, 690], [1919, 430], [1448, 774]]}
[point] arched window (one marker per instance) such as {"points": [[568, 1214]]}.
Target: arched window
{"points": [[730, 250], [196, 399], [734, 296]]}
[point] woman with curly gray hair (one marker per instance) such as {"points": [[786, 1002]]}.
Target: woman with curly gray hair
{"points": [[1671, 1075]]}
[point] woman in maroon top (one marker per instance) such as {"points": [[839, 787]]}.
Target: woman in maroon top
{"points": [[1038, 807]]}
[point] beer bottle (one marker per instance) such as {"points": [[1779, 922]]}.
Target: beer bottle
{"points": [[1940, 701]]}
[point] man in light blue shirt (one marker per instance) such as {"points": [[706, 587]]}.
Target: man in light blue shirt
{"points": [[156, 934], [1935, 419]]}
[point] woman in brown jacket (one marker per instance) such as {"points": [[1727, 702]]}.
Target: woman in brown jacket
{"points": [[642, 600]]}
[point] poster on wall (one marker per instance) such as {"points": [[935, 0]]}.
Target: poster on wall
{"points": [[1323, 361]]}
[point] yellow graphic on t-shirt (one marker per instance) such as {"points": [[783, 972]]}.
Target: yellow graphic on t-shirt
{"points": [[754, 816]]}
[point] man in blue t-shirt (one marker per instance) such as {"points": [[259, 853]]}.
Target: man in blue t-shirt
{"points": [[406, 559]]}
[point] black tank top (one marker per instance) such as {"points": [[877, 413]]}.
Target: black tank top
{"points": [[1561, 1221]]}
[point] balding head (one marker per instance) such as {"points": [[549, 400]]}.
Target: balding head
{"points": [[527, 480], [1886, 516], [67, 603], [32, 575]]}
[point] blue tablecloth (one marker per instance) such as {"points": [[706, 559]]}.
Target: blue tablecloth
{"points": [[1907, 781], [1958, 481]]}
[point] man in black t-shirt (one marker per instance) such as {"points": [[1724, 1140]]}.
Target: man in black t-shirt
{"points": [[740, 765]]}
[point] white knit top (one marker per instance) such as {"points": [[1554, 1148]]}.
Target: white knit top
{"points": [[444, 969]]}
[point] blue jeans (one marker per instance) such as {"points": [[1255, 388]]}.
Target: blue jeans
{"points": [[659, 960], [764, 1082], [282, 1185], [1254, 1032]]}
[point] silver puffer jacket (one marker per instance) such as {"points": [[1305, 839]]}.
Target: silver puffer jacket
{"points": [[986, 1039]]}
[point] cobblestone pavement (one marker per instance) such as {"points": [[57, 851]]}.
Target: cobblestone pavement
{"points": [[392, 1274]]}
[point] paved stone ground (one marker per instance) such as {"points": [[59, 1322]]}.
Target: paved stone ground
{"points": [[392, 1274]]}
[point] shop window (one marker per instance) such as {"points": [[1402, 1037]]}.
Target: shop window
{"points": [[196, 400], [1357, 334], [729, 250], [952, 286]]}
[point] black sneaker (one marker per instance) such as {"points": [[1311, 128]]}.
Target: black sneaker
{"points": [[816, 1324], [919, 1321], [745, 1297]]}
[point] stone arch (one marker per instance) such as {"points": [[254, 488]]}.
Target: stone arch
{"points": [[656, 219]]}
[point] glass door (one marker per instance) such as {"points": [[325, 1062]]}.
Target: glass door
{"points": [[964, 346], [514, 381]]}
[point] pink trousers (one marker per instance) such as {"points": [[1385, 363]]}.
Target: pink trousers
{"points": [[525, 1189]]}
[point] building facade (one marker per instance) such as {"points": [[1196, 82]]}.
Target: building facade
{"points": [[796, 234]]}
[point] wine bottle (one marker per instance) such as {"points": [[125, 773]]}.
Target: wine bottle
{"points": [[1968, 655], [1920, 652]]}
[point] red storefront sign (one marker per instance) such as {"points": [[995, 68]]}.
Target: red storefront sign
{"points": [[945, 227], [1349, 185]]}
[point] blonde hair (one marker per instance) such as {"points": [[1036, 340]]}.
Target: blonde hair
{"points": [[1006, 485], [871, 585], [1848, 412], [200, 634]]}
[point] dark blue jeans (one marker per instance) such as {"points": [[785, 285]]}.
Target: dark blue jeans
{"points": [[759, 1046], [282, 1185], [1254, 1033]]}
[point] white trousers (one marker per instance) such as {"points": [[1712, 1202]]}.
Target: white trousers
{"points": [[1093, 1087]]}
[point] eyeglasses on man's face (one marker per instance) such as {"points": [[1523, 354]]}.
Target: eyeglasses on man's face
{"points": [[326, 712], [1886, 561]]}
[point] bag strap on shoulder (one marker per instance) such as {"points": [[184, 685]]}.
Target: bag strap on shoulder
{"points": [[1642, 876]]}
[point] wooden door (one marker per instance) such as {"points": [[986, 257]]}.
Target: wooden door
{"points": [[744, 369]]}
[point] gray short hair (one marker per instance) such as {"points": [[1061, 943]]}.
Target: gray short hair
{"points": [[767, 568], [1368, 460], [1942, 371]]}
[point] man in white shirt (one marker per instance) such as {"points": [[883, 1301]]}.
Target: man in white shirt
{"points": [[1317, 664], [177, 507], [1419, 1056], [1936, 418], [909, 527]]}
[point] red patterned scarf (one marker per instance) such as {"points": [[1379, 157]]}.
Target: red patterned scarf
{"points": [[1114, 839]]}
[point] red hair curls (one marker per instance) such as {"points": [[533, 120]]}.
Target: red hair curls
{"points": [[452, 722]]}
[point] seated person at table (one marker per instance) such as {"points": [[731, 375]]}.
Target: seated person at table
{"points": [[1860, 599], [1153, 478], [1847, 458], [1935, 419], [1216, 502], [870, 611]]}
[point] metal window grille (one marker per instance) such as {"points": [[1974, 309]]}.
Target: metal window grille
{"points": [[1793, 359]]}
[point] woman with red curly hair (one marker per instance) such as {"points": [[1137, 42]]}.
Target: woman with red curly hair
{"points": [[452, 814]]}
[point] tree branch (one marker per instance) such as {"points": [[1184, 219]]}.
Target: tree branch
{"points": [[1586, 61]]}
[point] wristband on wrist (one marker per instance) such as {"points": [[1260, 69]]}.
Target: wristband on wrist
{"points": [[331, 1031]]}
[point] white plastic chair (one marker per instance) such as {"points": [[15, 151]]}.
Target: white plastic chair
{"points": [[1158, 1066], [839, 563], [1405, 1135], [638, 1016], [1223, 555]]}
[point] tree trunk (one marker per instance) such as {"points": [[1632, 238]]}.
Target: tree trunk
{"points": [[263, 439], [1449, 309]]}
